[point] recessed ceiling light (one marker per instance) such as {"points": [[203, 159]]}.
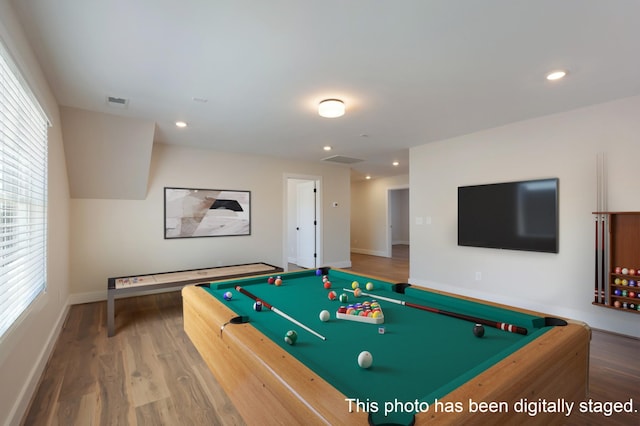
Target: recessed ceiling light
{"points": [[181, 124], [327, 148], [395, 163], [331, 108], [556, 75], [367, 177]]}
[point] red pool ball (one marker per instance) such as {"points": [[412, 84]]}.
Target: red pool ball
{"points": [[327, 284]]}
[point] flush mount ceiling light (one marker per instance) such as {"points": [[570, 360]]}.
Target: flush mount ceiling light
{"points": [[181, 124], [556, 75], [327, 148], [331, 108]]}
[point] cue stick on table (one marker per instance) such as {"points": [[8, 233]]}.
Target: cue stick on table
{"points": [[496, 324], [279, 312]]}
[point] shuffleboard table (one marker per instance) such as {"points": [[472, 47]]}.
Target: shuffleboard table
{"points": [[119, 286], [428, 368]]}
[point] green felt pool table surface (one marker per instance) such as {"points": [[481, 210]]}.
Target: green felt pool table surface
{"points": [[420, 356]]}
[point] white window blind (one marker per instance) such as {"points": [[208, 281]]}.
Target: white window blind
{"points": [[23, 195]]}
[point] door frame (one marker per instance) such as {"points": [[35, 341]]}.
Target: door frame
{"points": [[288, 221]]}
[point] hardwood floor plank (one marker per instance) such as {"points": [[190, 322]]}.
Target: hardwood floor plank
{"points": [[142, 370], [114, 407]]}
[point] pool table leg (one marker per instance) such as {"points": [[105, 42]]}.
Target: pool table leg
{"points": [[110, 314]]}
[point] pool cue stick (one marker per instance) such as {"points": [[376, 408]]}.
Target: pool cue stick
{"points": [[495, 324], [279, 312]]}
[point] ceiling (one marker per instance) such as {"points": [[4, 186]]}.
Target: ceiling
{"points": [[247, 76]]}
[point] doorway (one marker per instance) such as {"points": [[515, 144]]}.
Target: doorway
{"points": [[398, 240], [302, 223]]}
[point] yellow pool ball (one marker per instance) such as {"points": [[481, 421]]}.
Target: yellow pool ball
{"points": [[355, 285]]}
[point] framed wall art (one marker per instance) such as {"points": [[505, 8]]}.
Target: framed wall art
{"points": [[193, 212]]}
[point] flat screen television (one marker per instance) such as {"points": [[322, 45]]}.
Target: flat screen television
{"points": [[511, 215]]}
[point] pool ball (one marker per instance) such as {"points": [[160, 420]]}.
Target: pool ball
{"points": [[617, 304], [624, 271], [365, 359], [632, 271], [324, 315], [617, 281], [632, 283], [257, 306], [344, 298], [617, 269], [332, 295], [355, 285], [369, 286], [271, 280], [278, 282], [617, 292], [318, 272], [327, 284], [478, 330], [632, 294], [227, 295], [291, 337], [357, 292]]}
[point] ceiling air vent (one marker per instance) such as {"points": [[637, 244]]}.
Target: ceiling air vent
{"points": [[117, 102], [342, 159]]}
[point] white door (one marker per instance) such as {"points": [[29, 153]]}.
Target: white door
{"points": [[306, 224]]}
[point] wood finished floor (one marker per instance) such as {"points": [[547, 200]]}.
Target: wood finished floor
{"points": [[149, 373]]}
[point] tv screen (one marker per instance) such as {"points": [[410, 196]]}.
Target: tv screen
{"points": [[511, 215]]}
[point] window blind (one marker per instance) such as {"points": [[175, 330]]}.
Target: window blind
{"points": [[23, 195]]}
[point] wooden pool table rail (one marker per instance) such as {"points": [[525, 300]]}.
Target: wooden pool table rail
{"points": [[269, 386]]}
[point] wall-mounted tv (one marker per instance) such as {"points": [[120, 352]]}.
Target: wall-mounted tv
{"points": [[511, 215]]}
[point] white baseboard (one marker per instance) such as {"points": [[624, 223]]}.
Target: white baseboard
{"points": [[33, 380], [369, 252], [342, 264]]}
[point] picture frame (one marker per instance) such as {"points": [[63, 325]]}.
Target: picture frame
{"points": [[197, 212]]}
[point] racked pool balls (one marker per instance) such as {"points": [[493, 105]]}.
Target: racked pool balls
{"points": [[478, 330], [227, 295], [291, 337]]}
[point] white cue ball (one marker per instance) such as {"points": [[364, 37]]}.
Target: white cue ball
{"points": [[324, 316], [365, 359]]}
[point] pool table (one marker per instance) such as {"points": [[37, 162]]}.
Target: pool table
{"points": [[428, 368]]}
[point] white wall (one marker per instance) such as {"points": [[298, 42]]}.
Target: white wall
{"points": [[399, 200], [25, 348], [122, 237], [369, 214], [562, 145]]}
